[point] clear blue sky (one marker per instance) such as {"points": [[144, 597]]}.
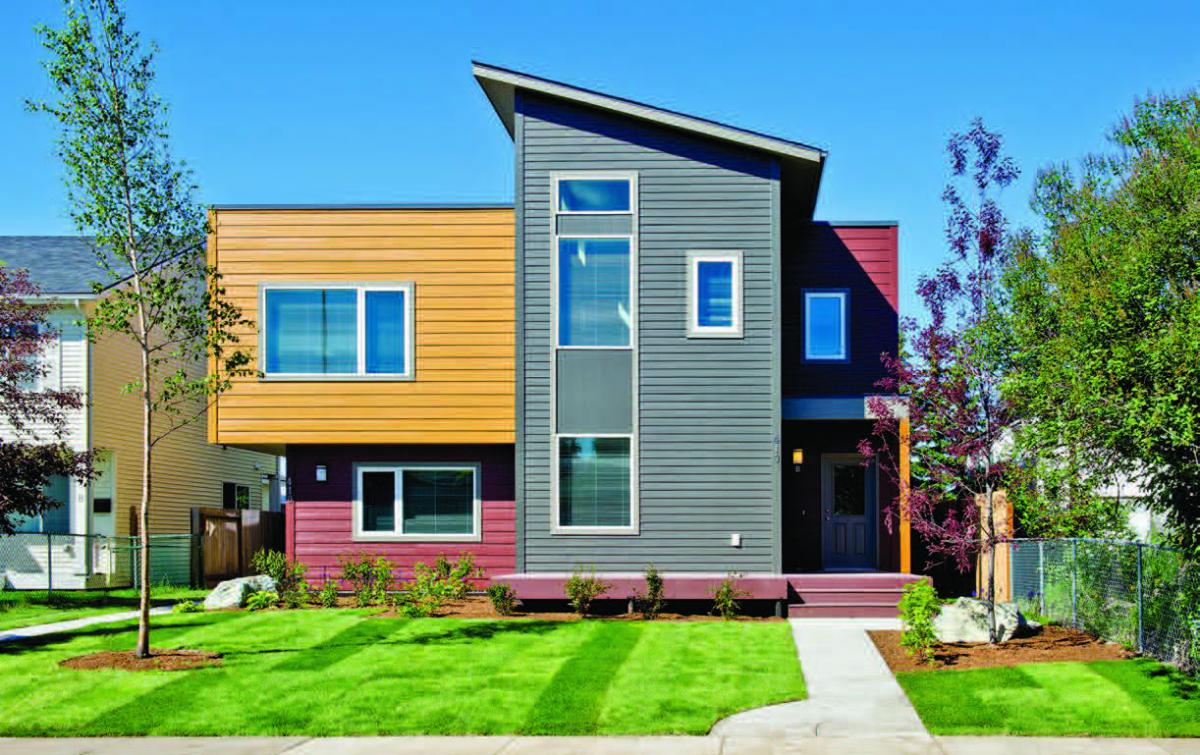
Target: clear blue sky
{"points": [[323, 101]]}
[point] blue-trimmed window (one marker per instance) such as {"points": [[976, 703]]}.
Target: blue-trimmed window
{"points": [[338, 331], [825, 326]]}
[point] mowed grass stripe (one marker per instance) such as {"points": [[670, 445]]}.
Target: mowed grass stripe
{"points": [[574, 699]]}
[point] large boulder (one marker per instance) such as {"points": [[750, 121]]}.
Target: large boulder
{"points": [[967, 620], [232, 593]]}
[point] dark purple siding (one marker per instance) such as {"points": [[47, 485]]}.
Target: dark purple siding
{"points": [[319, 516]]}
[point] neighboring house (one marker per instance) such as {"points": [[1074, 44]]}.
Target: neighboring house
{"points": [[656, 355], [188, 472]]}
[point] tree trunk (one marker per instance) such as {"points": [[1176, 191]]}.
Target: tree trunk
{"points": [[143, 641], [991, 546]]}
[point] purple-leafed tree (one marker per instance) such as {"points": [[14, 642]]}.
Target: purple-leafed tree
{"points": [[950, 369], [32, 447]]}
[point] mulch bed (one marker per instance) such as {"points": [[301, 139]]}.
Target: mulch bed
{"points": [[1050, 645], [159, 660], [476, 607]]}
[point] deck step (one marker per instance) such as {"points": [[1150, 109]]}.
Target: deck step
{"points": [[842, 610]]}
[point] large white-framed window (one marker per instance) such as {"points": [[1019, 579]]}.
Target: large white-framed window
{"points": [[714, 294], [594, 304], [417, 501], [336, 331], [825, 325], [594, 491]]}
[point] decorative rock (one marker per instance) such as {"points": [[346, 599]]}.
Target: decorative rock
{"points": [[232, 593], [967, 620]]}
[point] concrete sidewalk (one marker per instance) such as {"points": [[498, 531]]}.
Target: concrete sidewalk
{"points": [[37, 630], [711, 745]]}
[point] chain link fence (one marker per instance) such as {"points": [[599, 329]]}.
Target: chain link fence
{"points": [[1144, 596], [43, 561]]}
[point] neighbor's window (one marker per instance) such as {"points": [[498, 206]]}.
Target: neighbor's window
{"points": [[593, 482], [417, 502], [825, 325], [352, 331], [594, 195], [715, 293], [235, 496], [593, 292]]}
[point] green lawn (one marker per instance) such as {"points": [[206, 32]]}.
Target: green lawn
{"points": [[341, 672], [22, 608], [1134, 698]]}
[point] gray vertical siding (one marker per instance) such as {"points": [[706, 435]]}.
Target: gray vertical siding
{"points": [[708, 410]]}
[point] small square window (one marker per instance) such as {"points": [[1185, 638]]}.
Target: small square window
{"points": [[825, 326], [235, 496], [715, 294]]}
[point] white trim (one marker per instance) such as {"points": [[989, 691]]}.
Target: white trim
{"points": [[695, 329], [361, 289], [557, 177], [842, 298], [398, 469], [561, 529]]}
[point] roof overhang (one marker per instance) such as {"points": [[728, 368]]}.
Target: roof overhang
{"points": [[801, 165]]}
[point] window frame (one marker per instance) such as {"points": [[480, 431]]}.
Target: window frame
{"points": [[557, 177], [397, 535], [695, 329], [556, 526], [237, 486], [843, 296], [408, 287]]}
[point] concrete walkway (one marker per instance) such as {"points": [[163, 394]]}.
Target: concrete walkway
{"points": [[851, 692], [37, 630]]}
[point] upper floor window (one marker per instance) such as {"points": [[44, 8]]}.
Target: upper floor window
{"points": [[825, 325], [715, 294], [594, 195], [338, 331]]}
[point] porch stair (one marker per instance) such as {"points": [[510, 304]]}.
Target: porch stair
{"points": [[846, 594]]}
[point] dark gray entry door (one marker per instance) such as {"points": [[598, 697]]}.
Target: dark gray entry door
{"points": [[848, 512]]}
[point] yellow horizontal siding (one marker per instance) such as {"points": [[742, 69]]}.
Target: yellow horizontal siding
{"points": [[461, 264]]}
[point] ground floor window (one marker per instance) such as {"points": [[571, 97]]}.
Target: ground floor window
{"points": [[417, 502], [594, 474], [56, 520], [235, 496]]}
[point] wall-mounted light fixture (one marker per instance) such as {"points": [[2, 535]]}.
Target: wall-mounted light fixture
{"points": [[797, 456], [322, 473]]}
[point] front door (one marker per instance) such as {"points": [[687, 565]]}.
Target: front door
{"points": [[848, 518]]}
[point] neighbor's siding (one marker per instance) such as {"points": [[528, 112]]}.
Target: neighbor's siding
{"points": [[319, 517], [187, 470], [708, 409], [461, 264]]}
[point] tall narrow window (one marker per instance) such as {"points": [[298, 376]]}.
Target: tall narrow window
{"points": [[825, 326], [593, 292], [593, 482], [715, 294], [337, 331]]}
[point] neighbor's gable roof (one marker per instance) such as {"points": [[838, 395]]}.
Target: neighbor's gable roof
{"points": [[801, 164], [59, 265]]}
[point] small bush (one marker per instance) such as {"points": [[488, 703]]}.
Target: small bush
{"points": [[288, 576], [187, 606], [582, 589], [503, 597], [919, 606], [726, 597], [370, 578], [456, 577], [327, 595], [651, 604], [257, 601]]}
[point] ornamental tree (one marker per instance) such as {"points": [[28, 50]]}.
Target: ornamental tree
{"points": [[137, 201], [951, 369], [34, 417]]}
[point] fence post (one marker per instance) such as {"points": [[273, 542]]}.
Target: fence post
{"points": [[1042, 577], [49, 565], [1074, 583], [1141, 637]]}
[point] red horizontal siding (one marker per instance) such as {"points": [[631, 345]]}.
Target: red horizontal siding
{"points": [[320, 523]]}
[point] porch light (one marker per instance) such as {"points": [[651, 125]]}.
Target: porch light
{"points": [[322, 474], [797, 456]]}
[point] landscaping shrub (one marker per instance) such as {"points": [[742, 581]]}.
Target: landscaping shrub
{"points": [[726, 597], [919, 606], [650, 605], [455, 577], [584, 588], [257, 601], [370, 578], [327, 595], [503, 597], [187, 606], [288, 575]]}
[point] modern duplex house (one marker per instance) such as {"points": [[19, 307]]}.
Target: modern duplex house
{"points": [[655, 355], [189, 472]]}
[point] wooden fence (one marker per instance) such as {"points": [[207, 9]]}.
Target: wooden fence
{"points": [[230, 538]]}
